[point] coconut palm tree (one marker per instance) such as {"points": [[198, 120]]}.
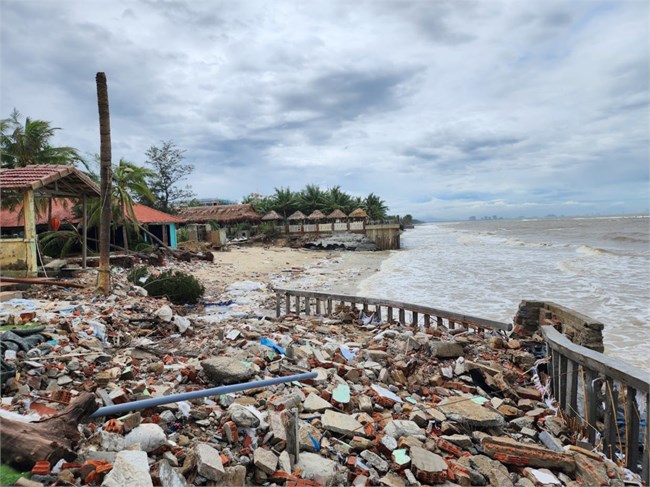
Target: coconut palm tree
{"points": [[336, 199], [311, 198], [23, 145], [284, 201], [375, 207]]}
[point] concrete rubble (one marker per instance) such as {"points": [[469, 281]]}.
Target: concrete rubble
{"points": [[392, 405]]}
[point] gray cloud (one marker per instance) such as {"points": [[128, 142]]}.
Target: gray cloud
{"points": [[443, 107]]}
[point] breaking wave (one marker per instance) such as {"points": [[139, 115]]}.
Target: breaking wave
{"points": [[595, 251]]}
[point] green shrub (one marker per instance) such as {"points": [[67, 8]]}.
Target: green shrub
{"points": [[182, 235], [137, 273], [268, 229], [178, 287]]}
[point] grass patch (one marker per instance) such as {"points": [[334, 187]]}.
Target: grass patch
{"points": [[9, 476], [26, 326]]}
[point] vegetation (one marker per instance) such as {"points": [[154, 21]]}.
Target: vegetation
{"points": [[31, 143], [269, 230], [285, 202], [59, 244], [168, 171], [182, 235], [177, 286], [137, 274]]}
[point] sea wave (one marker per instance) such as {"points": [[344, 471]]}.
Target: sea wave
{"points": [[594, 251]]}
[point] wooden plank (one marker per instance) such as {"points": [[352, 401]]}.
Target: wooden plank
{"points": [[616, 369], [555, 373], [645, 476], [631, 431], [41, 281], [611, 405], [592, 403]]}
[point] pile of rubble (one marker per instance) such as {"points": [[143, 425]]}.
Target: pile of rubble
{"points": [[390, 404]]}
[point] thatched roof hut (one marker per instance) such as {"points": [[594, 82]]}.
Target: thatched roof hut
{"points": [[338, 214], [298, 215], [316, 215], [222, 214], [359, 213], [271, 216]]}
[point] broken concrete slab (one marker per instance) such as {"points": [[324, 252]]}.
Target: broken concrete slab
{"points": [[265, 460], [341, 423], [131, 469], [427, 466], [403, 427], [149, 436], [465, 410], [226, 370], [315, 403], [208, 462]]}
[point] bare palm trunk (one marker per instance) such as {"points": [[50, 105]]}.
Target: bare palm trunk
{"points": [[104, 280], [125, 236]]}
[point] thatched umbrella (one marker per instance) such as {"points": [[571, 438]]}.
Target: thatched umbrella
{"points": [[316, 215], [359, 213], [271, 216], [298, 215], [337, 215]]}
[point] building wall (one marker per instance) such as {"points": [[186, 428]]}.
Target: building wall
{"points": [[14, 256]]}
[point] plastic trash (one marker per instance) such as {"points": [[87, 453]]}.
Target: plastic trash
{"points": [[269, 343], [348, 353]]}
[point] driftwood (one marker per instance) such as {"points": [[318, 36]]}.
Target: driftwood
{"points": [[52, 438], [43, 281]]}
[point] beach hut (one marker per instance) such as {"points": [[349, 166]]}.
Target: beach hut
{"points": [[271, 216], [296, 221], [314, 218], [358, 219], [339, 220]]}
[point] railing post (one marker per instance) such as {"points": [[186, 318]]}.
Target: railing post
{"points": [[278, 305], [611, 406], [439, 323], [402, 316], [572, 388], [632, 431], [646, 450], [287, 303], [307, 305], [592, 404], [318, 307], [427, 321], [330, 309], [298, 304], [563, 381], [414, 316], [390, 314], [555, 374]]}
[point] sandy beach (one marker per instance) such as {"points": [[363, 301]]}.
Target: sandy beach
{"points": [[336, 271]]}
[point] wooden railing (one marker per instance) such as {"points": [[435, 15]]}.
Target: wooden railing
{"points": [[575, 367], [290, 300], [572, 368]]}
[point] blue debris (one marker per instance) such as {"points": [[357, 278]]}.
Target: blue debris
{"points": [[269, 343]]}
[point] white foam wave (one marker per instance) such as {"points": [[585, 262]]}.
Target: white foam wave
{"points": [[595, 251]]}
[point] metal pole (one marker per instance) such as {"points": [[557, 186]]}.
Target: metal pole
{"points": [[215, 391]]}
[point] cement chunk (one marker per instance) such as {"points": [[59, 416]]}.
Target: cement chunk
{"points": [[341, 423], [466, 411], [315, 403], [265, 460], [131, 469], [226, 370], [208, 462]]}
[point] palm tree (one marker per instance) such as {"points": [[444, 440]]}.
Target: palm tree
{"points": [[23, 145], [129, 180], [311, 198], [375, 207], [284, 201], [335, 199]]}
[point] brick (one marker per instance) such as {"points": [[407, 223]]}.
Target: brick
{"points": [[513, 452]]}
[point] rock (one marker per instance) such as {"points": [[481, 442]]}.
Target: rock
{"points": [[233, 477], [305, 441], [466, 411], [165, 313], [462, 441], [590, 470], [131, 421], [318, 468], [522, 422], [111, 441], [492, 470], [285, 462], [392, 480], [170, 477], [544, 477], [131, 469], [365, 404], [208, 462], [171, 458], [226, 370], [375, 461], [150, 437], [427, 466], [445, 349], [265, 460], [242, 416], [315, 403], [550, 441], [341, 423], [403, 427]]}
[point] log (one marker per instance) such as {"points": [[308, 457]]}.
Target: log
{"points": [[52, 438], [42, 281]]}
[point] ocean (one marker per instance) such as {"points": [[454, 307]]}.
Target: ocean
{"points": [[598, 266]]}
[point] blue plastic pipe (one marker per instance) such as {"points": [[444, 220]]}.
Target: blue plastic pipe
{"points": [[215, 391]]}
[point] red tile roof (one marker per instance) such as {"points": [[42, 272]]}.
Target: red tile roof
{"points": [[62, 209], [40, 176]]}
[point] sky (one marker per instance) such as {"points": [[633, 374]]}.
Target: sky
{"points": [[445, 109]]}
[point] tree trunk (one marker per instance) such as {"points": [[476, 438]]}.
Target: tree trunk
{"points": [[53, 438], [125, 236], [104, 280]]}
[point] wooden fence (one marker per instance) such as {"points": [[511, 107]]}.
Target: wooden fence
{"points": [[572, 367]]}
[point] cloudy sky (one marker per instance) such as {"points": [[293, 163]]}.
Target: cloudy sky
{"points": [[445, 109]]}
